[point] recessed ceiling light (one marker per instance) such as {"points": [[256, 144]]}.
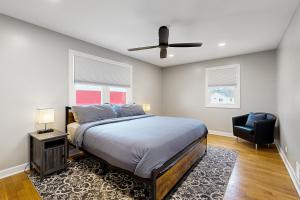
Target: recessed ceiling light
{"points": [[171, 55], [222, 44]]}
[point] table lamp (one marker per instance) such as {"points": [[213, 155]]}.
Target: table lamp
{"points": [[45, 116], [146, 107]]}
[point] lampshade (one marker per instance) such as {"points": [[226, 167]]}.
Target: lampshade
{"points": [[146, 107], [45, 115]]}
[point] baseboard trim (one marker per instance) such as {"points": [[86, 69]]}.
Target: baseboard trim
{"points": [[12, 170], [289, 167], [221, 133]]}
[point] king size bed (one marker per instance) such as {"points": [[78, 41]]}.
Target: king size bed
{"points": [[157, 150]]}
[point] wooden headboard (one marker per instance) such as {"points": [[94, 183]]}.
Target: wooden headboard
{"points": [[69, 117]]}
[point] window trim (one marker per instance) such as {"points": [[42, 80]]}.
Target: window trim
{"points": [[72, 88], [237, 103]]}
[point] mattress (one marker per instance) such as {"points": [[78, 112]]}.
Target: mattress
{"points": [[138, 144]]}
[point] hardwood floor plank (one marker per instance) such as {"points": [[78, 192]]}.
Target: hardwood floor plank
{"points": [[257, 175]]}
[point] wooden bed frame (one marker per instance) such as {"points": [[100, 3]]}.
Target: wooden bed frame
{"points": [[166, 177]]}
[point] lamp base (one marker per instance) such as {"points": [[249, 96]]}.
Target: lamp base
{"points": [[45, 131]]}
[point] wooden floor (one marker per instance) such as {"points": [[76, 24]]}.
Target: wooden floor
{"points": [[257, 175]]}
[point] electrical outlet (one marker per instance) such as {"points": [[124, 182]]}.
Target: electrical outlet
{"points": [[286, 149], [298, 171]]}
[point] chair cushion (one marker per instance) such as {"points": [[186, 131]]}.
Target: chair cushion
{"points": [[254, 117], [245, 129]]}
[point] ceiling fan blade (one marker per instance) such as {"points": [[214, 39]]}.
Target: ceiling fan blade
{"points": [[163, 53], [186, 45], [163, 34], [142, 48]]}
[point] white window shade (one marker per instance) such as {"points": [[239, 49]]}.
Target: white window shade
{"points": [[223, 76], [87, 70]]}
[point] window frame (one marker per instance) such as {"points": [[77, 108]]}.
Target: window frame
{"points": [[105, 88], [237, 97]]}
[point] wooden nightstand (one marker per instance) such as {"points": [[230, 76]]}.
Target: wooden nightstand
{"points": [[48, 152]]}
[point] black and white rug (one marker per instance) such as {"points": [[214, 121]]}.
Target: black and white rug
{"points": [[83, 180]]}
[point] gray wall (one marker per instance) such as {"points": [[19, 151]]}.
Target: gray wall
{"points": [[184, 89], [289, 90], [34, 73]]}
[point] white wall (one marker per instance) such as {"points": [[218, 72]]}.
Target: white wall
{"points": [[289, 90], [184, 89], [34, 73]]}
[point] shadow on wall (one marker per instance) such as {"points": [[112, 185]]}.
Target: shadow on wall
{"points": [[277, 130]]}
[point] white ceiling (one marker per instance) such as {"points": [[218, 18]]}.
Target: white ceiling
{"points": [[245, 25]]}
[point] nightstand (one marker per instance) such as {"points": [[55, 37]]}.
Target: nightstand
{"points": [[48, 152]]}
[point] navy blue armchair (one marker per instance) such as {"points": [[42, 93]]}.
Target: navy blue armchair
{"points": [[261, 133]]}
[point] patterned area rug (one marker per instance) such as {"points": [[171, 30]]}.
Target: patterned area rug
{"points": [[83, 180]]}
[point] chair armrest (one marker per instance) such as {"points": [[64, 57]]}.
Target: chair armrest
{"points": [[264, 130], [239, 120]]}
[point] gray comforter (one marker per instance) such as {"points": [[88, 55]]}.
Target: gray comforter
{"points": [[140, 143]]}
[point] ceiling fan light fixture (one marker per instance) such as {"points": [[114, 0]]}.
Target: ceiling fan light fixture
{"points": [[163, 36]]}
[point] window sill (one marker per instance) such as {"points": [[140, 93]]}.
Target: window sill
{"points": [[223, 106]]}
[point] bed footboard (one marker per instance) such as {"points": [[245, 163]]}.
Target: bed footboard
{"points": [[165, 180]]}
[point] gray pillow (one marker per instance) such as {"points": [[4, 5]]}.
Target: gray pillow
{"points": [[93, 113], [130, 110], [116, 108]]}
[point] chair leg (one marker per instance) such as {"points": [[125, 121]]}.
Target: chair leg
{"points": [[256, 146], [237, 139]]}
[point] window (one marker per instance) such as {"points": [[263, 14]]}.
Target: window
{"points": [[223, 86], [94, 80], [221, 95], [117, 95], [88, 94]]}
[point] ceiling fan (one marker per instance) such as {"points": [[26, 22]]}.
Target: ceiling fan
{"points": [[163, 34]]}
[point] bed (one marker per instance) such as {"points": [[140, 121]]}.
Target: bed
{"points": [[157, 150]]}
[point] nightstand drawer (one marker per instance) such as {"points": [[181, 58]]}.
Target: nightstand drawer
{"points": [[54, 158]]}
